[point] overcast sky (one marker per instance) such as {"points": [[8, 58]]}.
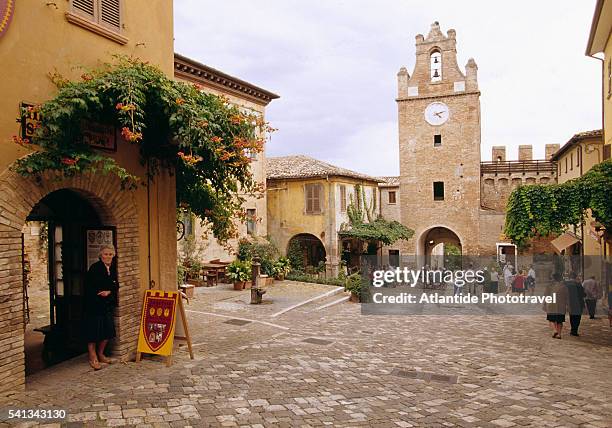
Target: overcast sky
{"points": [[334, 65]]}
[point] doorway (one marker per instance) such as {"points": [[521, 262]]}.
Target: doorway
{"points": [[52, 332]]}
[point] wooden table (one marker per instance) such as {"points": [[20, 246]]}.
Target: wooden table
{"points": [[218, 268]]}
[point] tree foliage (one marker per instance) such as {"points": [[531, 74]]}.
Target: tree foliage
{"points": [[541, 210], [202, 138]]}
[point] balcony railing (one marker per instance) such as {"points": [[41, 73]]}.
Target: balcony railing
{"points": [[519, 166]]}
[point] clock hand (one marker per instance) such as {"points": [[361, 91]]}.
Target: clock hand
{"points": [[439, 113]]}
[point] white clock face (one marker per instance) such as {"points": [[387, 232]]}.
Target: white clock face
{"points": [[436, 113]]}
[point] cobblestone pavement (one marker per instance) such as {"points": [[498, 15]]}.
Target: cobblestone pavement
{"points": [[335, 367]]}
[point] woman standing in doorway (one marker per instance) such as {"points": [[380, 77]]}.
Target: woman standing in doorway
{"points": [[101, 288]]}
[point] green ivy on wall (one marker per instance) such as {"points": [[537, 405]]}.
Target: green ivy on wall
{"points": [[541, 210]]}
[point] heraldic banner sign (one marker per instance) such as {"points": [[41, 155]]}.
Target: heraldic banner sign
{"points": [[157, 323]]}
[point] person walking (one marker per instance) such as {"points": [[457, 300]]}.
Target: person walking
{"points": [[555, 312], [518, 284], [530, 282], [592, 291], [494, 287], [575, 294], [508, 277]]}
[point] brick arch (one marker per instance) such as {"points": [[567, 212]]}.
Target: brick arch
{"points": [[116, 207]]}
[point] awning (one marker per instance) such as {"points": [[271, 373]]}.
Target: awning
{"points": [[564, 241]]}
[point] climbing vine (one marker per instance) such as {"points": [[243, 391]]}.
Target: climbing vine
{"points": [[201, 138], [376, 228], [541, 210]]}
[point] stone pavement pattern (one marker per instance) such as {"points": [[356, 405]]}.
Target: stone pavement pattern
{"points": [[382, 371]]}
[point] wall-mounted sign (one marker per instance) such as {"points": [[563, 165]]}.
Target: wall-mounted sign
{"points": [[7, 8], [100, 136], [30, 119], [96, 239]]}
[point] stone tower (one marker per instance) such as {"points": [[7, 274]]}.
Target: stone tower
{"points": [[439, 144]]}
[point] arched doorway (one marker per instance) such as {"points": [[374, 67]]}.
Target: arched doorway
{"points": [[441, 248], [115, 207], [311, 249], [55, 308]]}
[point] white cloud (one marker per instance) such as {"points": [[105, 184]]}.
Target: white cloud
{"points": [[334, 64]]}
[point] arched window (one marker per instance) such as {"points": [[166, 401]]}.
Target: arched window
{"points": [[436, 66]]}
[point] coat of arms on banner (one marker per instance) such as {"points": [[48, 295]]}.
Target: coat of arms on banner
{"points": [[157, 324]]}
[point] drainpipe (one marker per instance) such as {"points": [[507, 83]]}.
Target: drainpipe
{"points": [[151, 282]]}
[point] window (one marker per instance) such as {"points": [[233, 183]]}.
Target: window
{"points": [[566, 164], [391, 197], [313, 198], [251, 221], [571, 161], [436, 66], [342, 198], [187, 219], [438, 189], [100, 16], [578, 155], [437, 140], [606, 151]]}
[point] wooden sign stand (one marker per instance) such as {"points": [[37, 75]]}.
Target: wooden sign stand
{"points": [[187, 336]]}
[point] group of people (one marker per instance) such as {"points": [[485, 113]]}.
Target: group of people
{"points": [[571, 298], [520, 282]]}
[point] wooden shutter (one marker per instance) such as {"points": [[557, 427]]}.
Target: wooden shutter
{"points": [[84, 7], [313, 198], [316, 198], [110, 13]]}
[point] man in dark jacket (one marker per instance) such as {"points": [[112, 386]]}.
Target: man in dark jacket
{"points": [[575, 293]]}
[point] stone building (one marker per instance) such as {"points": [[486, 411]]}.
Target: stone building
{"points": [[449, 196], [253, 100], [69, 35], [307, 203]]}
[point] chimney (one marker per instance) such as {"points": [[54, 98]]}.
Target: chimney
{"points": [[471, 75], [525, 152], [550, 150], [498, 154]]}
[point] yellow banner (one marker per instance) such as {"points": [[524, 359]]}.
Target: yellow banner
{"points": [[156, 335]]}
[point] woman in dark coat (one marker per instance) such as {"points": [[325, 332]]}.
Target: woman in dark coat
{"points": [[101, 288]]}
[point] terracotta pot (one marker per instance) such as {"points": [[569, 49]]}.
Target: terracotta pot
{"points": [[238, 285], [354, 298], [247, 284]]}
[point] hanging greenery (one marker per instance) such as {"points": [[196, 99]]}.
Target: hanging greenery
{"points": [[541, 210], [201, 138], [377, 229]]}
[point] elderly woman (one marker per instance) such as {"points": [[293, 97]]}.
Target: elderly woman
{"points": [[101, 288], [555, 312]]}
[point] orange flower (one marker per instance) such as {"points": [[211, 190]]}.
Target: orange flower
{"points": [[119, 106], [236, 120], [69, 161], [180, 101], [216, 140], [130, 136], [86, 77]]}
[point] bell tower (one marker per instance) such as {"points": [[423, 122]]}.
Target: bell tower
{"points": [[439, 146]]}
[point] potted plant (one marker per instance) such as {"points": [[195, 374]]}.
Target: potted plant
{"points": [[193, 271], [239, 272], [353, 284], [281, 268]]}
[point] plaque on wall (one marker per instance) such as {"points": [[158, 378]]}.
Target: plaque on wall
{"points": [[100, 136], [96, 238]]}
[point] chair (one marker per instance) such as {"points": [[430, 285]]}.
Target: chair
{"points": [[211, 278]]}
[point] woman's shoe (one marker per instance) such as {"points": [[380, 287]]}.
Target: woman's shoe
{"points": [[105, 360], [555, 335], [95, 364]]}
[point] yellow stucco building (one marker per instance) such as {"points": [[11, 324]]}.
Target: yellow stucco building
{"points": [[39, 38], [253, 100], [599, 46], [307, 203]]}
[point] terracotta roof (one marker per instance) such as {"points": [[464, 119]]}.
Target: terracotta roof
{"points": [[300, 166], [596, 133], [389, 182]]}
